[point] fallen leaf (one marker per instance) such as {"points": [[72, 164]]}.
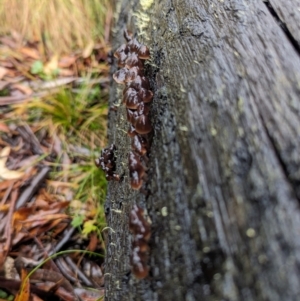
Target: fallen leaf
{"points": [[66, 61], [24, 292], [4, 128], [3, 72], [66, 72], [35, 220], [25, 89], [8, 41], [30, 52], [6, 174], [52, 66], [93, 243], [7, 64], [87, 51]]}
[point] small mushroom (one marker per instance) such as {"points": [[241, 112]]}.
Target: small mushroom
{"points": [[146, 95], [131, 99], [134, 45], [139, 144], [120, 75], [142, 109], [138, 224], [139, 266], [131, 116], [133, 73], [144, 52], [136, 171], [142, 124], [140, 242], [106, 162], [136, 182], [139, 82], [133, 61], [131, 131], [121, 54]]}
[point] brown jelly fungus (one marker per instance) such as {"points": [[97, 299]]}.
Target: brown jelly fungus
{"points": [[136, 170], [139, 144], [142, 125], [136, 96], [107, 162], [131, 131], [141, 230], [120, 75], [144, 52]]}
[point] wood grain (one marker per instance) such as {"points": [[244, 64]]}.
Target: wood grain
{"points": [[223, 179], [289, 13]]}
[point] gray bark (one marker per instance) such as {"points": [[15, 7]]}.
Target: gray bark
{"points": [[223, 184]]}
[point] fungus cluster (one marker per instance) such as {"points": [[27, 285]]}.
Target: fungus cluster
{"points": [[107, 162], [141, 231], [136, 97]]}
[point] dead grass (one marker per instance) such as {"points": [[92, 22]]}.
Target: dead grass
{"points": [[60, 24]]}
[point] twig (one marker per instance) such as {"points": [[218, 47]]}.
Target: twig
{"points": [[9, 226], [75, 268], [33, 187], [27, 134]]}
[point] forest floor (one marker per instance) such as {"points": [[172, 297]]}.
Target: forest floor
{"points": [[53, 112]]}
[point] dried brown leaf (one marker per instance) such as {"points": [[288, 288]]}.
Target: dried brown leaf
{"points": [[88, 49], [24, 292], [6, 174], [93, 243], [23, 88], [3, 72], [8, 41], [66, 72], [66, 61], [52, 65], [30, 52], [4, 128]]}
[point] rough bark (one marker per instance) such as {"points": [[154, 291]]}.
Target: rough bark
{"points": [[223, 184]]}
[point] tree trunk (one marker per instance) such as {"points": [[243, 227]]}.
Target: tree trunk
{"points": [[223, 184]]}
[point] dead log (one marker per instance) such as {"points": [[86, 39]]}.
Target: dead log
{"points": [[223, 184]]}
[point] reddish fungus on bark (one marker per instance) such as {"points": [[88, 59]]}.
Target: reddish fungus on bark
{"points": [[136, 170], [134, 45], [120, 76], [144, 52], [141, 230], [131, 99], [146, 95], [142, 109], [136, 95], [107, 162], [133, 61], [139, 144], [139, 82], [142, 124], [131, 131]]}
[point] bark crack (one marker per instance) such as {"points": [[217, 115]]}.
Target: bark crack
{"points": [[283, 26], [279, 157]]}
